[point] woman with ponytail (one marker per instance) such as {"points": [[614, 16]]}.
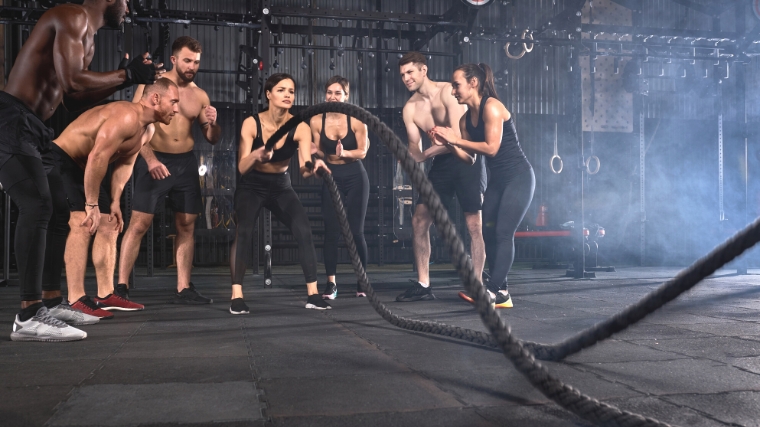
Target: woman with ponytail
{"points": [[488, 128]]}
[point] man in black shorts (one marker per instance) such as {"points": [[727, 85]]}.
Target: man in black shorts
{"points": [[168, 166], [432, 104], [112, 134], [52, 68]]}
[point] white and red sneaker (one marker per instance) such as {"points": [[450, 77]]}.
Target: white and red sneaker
{"points": [[115, 302], [88, 306]]}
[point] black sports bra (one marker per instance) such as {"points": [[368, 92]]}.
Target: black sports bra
{"points": [[285, 153], [328, 145]]}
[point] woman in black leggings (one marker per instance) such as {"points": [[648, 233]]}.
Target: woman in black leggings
{"points": [[265, 183], [487, 128], [342, 141]]}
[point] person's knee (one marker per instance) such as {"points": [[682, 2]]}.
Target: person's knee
{"points": [[421, 221]]}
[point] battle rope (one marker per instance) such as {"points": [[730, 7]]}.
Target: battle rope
{"points": [[517, 352]]}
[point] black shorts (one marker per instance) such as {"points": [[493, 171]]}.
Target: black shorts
{"points": [[182, 185], [72, 177], [22, 132], [452, 177]]}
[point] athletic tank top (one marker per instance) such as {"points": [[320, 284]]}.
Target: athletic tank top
{"points": [[328, 145], [510, 160], [286, 152]]}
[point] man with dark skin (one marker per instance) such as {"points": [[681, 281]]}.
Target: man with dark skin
{"points": [[105, 135], [168, 167], [52, 68]]}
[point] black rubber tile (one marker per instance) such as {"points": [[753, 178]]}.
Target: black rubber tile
{"points": [[666, 412], [309, 363], [611, 350], [354, 394], [180, 403], [678, 376], [751, 364], [733, 408], [28, 373], [29, 406], [186, 344], [450, 417], [162, 370], [720, 349]]}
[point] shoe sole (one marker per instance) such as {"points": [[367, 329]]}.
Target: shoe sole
{"points": [[88, 322], [428, 297], [239, 312], [507, 304], [330, 296], [466, 297], [26, 338], [314, 307], [361, 295], [121, 308]]}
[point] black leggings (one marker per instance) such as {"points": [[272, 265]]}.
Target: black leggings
{"points": [[273, 191], [42, 226], [504, 206], [353, 184]]}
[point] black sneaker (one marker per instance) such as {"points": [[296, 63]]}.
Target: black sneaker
{"points": [[331, 291], [315, 302], [416, 292], [238, 306], [190, 296], [502, 301], [122, 290]]}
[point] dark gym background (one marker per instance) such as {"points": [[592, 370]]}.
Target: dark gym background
{"points": [[647, 82]]}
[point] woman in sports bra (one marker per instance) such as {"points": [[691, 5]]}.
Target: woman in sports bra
{"points": [[265, 183], [487, 128], [342, 141]]}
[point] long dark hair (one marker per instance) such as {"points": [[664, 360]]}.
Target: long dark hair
{"points": [[277, 78], [484, 74]]}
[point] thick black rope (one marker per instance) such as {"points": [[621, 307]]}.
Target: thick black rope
{"points": [[519, 353]]}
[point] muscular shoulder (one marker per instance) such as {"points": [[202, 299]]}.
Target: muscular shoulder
{"points": [[495, 109], [200, 94], [71, 18], [124, 111]]}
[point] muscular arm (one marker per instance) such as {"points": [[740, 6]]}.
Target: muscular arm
{"points": [[413, 134], [115, 130], [456, 117], [493, 116], [124, 166], [211, 130], [303, 138], [81, 86], [362, 141], [246, 158]]}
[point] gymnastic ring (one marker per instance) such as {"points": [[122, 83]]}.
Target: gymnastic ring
{"points": [[509, 55], [551, 164], [588, 163], [528, 34]]}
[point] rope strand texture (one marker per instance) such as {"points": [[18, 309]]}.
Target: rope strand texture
{"points": [[522, 354]]}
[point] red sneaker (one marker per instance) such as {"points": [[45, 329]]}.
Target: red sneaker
{"points": [[115, 302], [88, 306]]}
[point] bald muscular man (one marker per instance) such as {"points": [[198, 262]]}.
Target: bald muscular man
{"points": [[112, 134], [52, 68]]}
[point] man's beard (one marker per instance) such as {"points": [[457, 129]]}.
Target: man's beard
{"points": [[113, 16], [184, 77]]}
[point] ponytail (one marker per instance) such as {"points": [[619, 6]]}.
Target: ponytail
{"points": [[484, 74]]}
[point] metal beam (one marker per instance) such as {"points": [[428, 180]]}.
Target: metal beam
{"points": [[398, 18]]}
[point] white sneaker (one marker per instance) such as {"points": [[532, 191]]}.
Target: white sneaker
{"points": [[43, 327], [66, 313]]}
